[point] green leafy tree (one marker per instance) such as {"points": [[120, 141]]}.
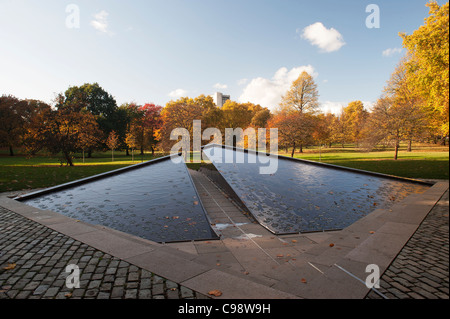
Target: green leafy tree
{"points": [[94, 99]]}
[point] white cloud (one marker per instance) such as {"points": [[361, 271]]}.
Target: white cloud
{"points": [[242, 81], [178, 93], [332, 107], [328, 40], [220, 86], [268, 92], [391, 51], [100, 22], [336, 107]]}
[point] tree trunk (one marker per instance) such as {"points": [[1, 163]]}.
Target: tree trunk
{"points": [[396, 151], [293, 150], [409, 146], [11, 151], [301, 148], [68, 158]]}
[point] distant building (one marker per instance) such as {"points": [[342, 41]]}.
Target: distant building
{"points": [[220, 99]]}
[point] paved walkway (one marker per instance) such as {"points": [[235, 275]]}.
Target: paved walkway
{"points": [[421, 271], [37, 257], [247, 262]]}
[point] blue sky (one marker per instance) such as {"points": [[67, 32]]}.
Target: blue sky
{"points": [[156, 51]]}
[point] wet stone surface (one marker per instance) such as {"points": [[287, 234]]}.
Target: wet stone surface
{"points": [[156, 202], [302, 197]]}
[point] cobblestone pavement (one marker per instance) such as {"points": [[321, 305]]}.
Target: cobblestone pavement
{"points": [[420, 270], [33, 260]]}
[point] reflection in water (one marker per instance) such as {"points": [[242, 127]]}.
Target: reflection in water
{"points": [[157, 202], [302, 197]]}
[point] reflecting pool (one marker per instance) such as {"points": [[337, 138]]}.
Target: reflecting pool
{"points": [[157, 201], [306, 197]]}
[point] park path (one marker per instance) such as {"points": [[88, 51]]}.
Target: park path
{"points": [[33, 258]]}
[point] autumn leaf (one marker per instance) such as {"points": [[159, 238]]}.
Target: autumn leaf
{"points": [[371, 232], [331, 245], [303, 280], [215, 292], [10, 266]]}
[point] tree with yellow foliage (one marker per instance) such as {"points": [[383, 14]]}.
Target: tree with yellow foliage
{"points": [[303, 95], [428, 65]]}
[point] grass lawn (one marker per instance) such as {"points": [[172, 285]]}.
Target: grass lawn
{"points": [[19, 172], [425, 161]]}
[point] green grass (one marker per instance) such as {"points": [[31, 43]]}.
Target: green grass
{"points": [[19, 172], [424, 162]]}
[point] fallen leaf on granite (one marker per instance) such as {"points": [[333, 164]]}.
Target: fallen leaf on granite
{"points": [[331, 245], [303, 280], [371, 232], [215, 292], [10, 266]]}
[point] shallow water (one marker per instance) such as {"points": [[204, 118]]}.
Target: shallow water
{"points": [[302, 197], [157, 202]]}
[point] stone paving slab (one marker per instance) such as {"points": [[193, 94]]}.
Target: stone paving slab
{"points": [[247, 262], [336, 259], [36, 257]]}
